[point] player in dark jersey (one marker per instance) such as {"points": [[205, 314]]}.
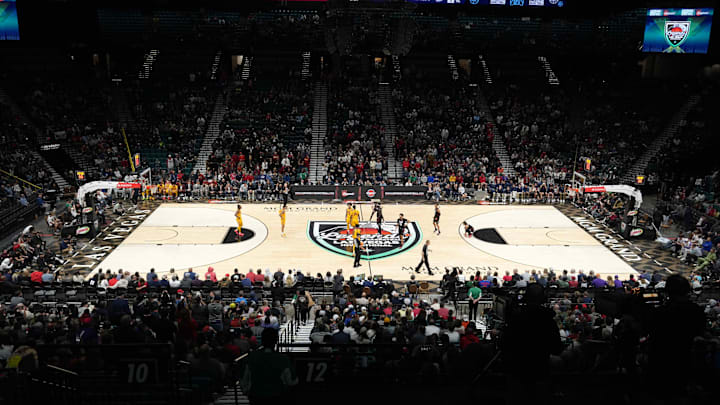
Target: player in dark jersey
{"points": [[469, 230], [436, 219], [402, 227], [377, 212]]}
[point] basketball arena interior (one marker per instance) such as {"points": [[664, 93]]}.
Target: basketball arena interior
{"points": [[357, 201]]}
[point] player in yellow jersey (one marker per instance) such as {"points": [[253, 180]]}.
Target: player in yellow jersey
{"points": [[174, 190], [282, 220], [348, 216], [146, 194], [238, 219], [160, 190], [354, 217]]}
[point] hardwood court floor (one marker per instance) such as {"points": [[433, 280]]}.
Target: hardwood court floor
{"points": [[520, 237]]}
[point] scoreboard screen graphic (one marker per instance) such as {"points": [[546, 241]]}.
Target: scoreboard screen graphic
{"points": [[678, 30], [9, 30]]}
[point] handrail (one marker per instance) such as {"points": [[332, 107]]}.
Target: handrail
{"points": [[62, 370], [242, 357], [18, 178], [127, 146]]}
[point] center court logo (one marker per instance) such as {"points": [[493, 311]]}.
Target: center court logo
{"points": [[334, 236]]}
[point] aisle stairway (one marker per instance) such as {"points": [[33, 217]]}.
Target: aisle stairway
{"points": [[319, 134], [498, 144], [215, 68], [452, 65], [303, 337], [387, 117], [672, 128], [486, 71], [81, 161], [246, 67], [148, 63], [397, 70], [212, 133], [229, 397], [59, 180], [305, 72], [552, 79]]}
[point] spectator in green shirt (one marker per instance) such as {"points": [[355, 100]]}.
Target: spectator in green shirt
{"points": [[471, 282], [474, 294]]}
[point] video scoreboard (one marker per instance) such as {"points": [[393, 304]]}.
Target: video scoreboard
{"points": [[9, 30], [678, 30]]}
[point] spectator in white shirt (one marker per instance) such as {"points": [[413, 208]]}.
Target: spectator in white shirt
{"points": [[175, 282]]}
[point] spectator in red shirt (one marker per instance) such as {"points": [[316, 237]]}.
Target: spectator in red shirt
{"points": [[187, 327], [36, 276], [210, 275], [443, 312], [250, 276], [573, 282], [416, 311], [469, 337]]}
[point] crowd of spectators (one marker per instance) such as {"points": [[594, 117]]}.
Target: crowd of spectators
{"points": [[687, 155], [18, 160], [28, 257], [209, 328], [78, 111], [531, 125], [547, 137], [68, 108], [356, 150], [264, 140], [618, 127], [284, 30], [167, 122], [362, 317], [445, 140], [692, 211], [170, 120]]}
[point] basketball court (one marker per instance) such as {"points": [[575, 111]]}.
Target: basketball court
{"points": [[186, 235]]}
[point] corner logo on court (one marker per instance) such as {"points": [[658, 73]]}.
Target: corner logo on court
{"points": [[334, 236]]}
